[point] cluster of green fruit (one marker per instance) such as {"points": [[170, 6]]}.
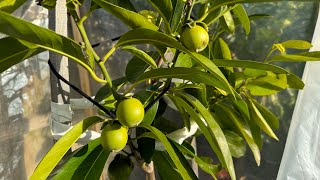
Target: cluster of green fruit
{"points": [[130, 111], [114, 135]]}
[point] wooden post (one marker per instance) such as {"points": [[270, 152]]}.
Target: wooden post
{"points": [[58, 23]]}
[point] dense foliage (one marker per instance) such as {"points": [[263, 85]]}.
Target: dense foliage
{"points": [[191, 70]]}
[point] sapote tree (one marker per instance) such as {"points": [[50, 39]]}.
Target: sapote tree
{"points": [[214, 95]]}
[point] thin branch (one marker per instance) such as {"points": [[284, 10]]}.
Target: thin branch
{"points": [[111, 114], [98, 44], [165, 90]]}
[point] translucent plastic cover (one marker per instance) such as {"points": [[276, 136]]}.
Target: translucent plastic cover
{"points": [[301, 158]]}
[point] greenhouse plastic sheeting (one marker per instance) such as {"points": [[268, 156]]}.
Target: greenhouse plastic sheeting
{"points": [[301, 158]]}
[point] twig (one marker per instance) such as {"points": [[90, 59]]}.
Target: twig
{"points": [[54, 71], [98, 44]]}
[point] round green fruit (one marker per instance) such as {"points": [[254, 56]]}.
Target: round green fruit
{"points": [[120, 168], [130, 112], [195, 38], [114, 137]]}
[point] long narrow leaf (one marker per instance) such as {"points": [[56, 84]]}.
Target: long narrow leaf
{"points": [[164, 8], [140, 54], [87, 163], [130, 18], [241, 13], [14, 51], [169, 149], [208, 168], [164, 166], [10, 6], [260, 121], [217, 132], [293, 80], [44, 38], [177, 14], [191, 74], [60, 148], [272, 120], [301, 57], [244, 130]]}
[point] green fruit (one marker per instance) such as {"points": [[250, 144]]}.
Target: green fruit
{"points": [[195, 38], [114, 137], [130, 112], [120, 168]]}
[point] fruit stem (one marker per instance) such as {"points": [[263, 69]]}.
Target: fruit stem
{"points": [[189, 4]]}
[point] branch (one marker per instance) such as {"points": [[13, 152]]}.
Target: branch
{"points": [[54, 71], [98, 44]]}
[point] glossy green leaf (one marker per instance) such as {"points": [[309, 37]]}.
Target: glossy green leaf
{"points": [[10, 56], [184, 60], [259, 119], [226, 21], [191, 74], [60, 148], [213, 132], [87, 163], [151, 114], [292, 80], [184, 114], [178, 6], [165, 125], [213, 16], [41, 37], [10, 6], [135, 68], [296, 44], [301, 57], [243, 129], [183, 160], [165, 166], [130, 18], [164, 8], [200, 93], [237, 144], [242, 107], [209, 168], [217, 132], [241, 13], [230, 2], [221, 50], [267, 85], [141, 54], [146, 36], [161, 137], [146, 144], [126, 4], [44, 38], [256, 132], [271, 119], [254, 72]]}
